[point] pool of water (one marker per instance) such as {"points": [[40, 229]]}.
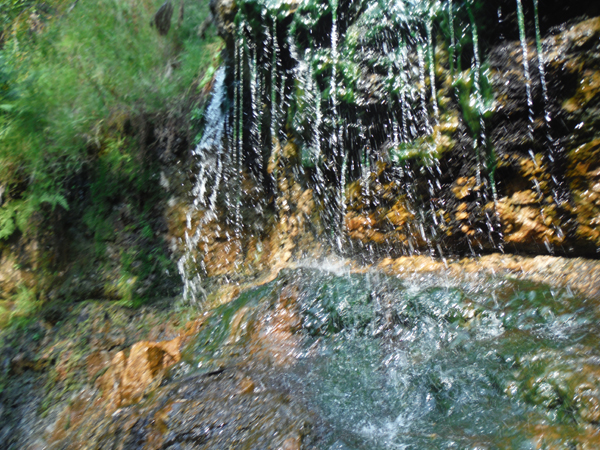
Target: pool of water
{"points": [[421, 363]]}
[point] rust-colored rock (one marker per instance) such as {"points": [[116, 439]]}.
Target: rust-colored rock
{"points": [[128, 376], [96, 362], [464, 187], [247, 386], [291, 443]]}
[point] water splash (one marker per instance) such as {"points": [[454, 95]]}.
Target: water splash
{"points": [[428, 362]]}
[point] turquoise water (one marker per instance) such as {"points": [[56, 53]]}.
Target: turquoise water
{"points": [[425, 363]]}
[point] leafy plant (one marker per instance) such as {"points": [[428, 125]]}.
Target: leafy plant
{"points": [[80, 82], [60, 85], [25, 305]]}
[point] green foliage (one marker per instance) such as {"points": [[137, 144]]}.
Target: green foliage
{"points": [[10, 10], [475, 104], [16, 215], [25, 305], [422, 150], [122, 194], [59, 84], [80, 83], [7, 221]]}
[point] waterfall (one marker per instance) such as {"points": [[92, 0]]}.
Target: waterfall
{"points": [[528, 86], [423, 90], [339, 153], [452, 39], [238, 131], [275, 147], [316, 128], [209, 153], [404, 87], [479, 141], [390, 98], [542, 68], [256, 111], [436, 111], [552, 144], [526, 72], [385, 116]]}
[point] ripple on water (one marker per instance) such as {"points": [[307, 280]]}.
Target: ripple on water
{"points": [[391, 363]]}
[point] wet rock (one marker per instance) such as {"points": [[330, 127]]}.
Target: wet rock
{"points": [[56, 365], [224, 12], [24, 361], [219, 410], [526, 223], [247, 386], [578, 274], [275, 339], [162, 18], [97, 362], [546, 378], [464, 187], [584, 175], [292, 443], [128, 376]]}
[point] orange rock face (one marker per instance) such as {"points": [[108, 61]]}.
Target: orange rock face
{"points": [[128, 377]]}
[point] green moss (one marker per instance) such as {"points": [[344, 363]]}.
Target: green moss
{"points": [[25, 306], [420, 149], [474, 105]]}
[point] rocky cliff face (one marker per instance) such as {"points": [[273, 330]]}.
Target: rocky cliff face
{"points": [[544, 170], [385, 132], [445, 131]]}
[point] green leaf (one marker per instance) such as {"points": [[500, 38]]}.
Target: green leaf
{"points": [[7, 221], [54, 199]]}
